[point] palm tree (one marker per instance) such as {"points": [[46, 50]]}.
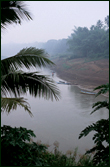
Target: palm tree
{"points": [[13, 12], [14, 81]]}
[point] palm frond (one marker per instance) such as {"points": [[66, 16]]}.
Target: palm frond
{"points": [[18, 82], [98, 126], [27, 57], [100, 104], [86, 131], [103, 89], [13, 12], [8, 104]]}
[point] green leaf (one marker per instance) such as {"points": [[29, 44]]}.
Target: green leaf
{"points": [[100, 104], [16, 82], [13, 12], [28, 58], [8, 104], [21, 82], [103, 89]]}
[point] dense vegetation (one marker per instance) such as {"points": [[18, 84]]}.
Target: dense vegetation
{"points": [[55, 47], [83, 42], [18, 149], [90, 43]]}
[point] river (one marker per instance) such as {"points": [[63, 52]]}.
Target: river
{"points": [[61, 120]]}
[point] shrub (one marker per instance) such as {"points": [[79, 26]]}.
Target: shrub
{"points": [[16, 149]]}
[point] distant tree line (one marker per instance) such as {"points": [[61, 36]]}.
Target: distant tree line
{"points": [[83, 42], [52, 47], [93, 42]]}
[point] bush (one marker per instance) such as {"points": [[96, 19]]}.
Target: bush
{"points": [[16, 149]]}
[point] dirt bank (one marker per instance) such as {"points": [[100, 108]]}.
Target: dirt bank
{"points": [[86, 75]]}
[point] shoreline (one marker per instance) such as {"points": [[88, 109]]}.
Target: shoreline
{"points": [[82, 86], [86, 75]]}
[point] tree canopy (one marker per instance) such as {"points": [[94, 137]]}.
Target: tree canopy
{"points": [[93, 42]]}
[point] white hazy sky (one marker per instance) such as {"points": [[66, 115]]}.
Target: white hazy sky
{"points": [[55, 20]]}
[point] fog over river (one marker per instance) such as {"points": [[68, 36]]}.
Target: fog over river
{"points": [[61, 120]]}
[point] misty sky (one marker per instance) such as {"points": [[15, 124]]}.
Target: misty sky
{"points": [[55, 20]]}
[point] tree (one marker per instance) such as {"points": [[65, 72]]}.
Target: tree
{"points": [[90, 43], [107, 21], [13, 12], [101, 128], [18, 149], [99, 24], [16, 82], [92, 27]]}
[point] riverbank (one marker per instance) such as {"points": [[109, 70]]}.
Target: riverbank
{"points": [[85, 74], [82, 86]]}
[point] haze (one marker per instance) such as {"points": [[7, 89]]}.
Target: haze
{"points": [[55, 20]]}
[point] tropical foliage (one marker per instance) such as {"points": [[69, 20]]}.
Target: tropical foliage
{"points": [[84, 42], [14, 80], [18, 149], [13, 12], [22, 151], [93, 42], [15, 147], [101, 135]]}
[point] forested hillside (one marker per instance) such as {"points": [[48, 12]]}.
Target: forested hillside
{"points": [[54, 48], [86, 60], [93, 42], [83, 42]]}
